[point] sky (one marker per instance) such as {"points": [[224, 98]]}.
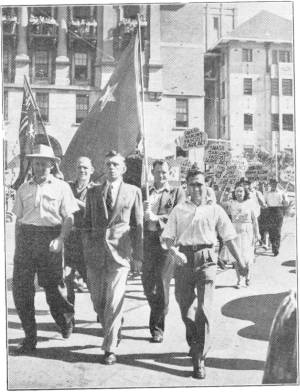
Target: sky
{"points": [[247, 9]]}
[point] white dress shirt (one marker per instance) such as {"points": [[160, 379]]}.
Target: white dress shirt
{"points": [[115, 186], [189, 224]]}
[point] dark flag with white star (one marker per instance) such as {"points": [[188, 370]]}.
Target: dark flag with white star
{"points": [[31, 125], [113, 123]]}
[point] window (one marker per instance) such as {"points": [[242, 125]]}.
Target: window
{"points": [[82, 12], [287, 122], [5, 104], [41, 65], [131, 11], [181, 153], [82, 107], [80, 66], [42, 11], [247, 86], [275, 122], [182, 112], [247, 55], [216, 23], [42, 100], [284, 56], [274, 57], [223, 90], [274, 86], [287, 87], [248, 122]]}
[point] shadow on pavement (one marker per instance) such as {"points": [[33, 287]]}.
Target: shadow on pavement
{"points": [[235, 363], [289, 263], [258, 309], [52, 327], [12, 311], [160, 362], [225, 287]]}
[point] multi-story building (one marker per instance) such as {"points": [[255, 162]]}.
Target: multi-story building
{"points": [[69, 53], [249, 83]]}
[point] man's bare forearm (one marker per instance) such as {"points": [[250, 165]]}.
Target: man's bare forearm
{"points": [[66, 227], [234, 251]]}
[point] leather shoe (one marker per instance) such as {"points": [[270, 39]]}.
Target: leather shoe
{"points": [[27, 346], [199, 371], [157, 339], [109, 358]]}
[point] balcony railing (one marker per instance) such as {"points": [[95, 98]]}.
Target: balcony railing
{"points": [[123, 33], [42, 28], [83, 30]]}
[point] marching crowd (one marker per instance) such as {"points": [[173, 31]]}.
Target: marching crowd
{"points": [[104, 231]]}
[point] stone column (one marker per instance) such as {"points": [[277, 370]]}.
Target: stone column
{"points": [[104, 63], [62, 62], [155, 65], [22, 58]]}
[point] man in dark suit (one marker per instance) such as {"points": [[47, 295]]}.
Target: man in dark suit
{"points": [[157, 270], [113, 236]]}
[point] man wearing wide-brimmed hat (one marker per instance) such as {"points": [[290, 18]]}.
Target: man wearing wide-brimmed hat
{"points": [[44, 209]]}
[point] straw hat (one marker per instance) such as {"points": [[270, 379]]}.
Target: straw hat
{"points": [[42, 151]]}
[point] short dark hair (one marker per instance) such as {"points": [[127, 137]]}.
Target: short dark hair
{"points": [[193, 172], [237, 185], [114, 153], [159, 162]]}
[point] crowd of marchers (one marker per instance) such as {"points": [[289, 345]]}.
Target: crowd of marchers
{"points": [[103, 232]]}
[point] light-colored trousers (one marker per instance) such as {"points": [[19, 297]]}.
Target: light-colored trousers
{"points": [[107, 285]]}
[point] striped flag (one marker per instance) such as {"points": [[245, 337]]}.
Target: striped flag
{"points": [[31, 131]]}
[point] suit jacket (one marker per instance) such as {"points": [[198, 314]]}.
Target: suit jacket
{"points": [[168, 200], [120, 232]]}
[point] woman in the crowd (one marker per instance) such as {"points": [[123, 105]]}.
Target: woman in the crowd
{"points": [[242, 213]]}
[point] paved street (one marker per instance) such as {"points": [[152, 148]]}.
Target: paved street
{"points": [[242, 322]]}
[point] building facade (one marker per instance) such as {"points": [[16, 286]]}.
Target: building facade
{"points": [[68, 54], [249, 86]]}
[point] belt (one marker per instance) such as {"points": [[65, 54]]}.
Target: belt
{"points": [[195, 248]]}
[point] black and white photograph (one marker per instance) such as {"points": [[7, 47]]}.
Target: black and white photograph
{"points": [[149, 195]]}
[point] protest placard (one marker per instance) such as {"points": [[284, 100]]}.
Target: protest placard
{"points": [[194, 138], [217, 153], [258, 171]]}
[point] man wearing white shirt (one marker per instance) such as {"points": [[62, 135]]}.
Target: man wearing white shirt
{"points": [[276, 200], [191, 235]]}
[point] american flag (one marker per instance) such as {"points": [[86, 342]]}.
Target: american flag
{"points": [[31, 125]]}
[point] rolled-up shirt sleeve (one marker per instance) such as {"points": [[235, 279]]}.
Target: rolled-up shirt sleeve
{"points": [[224, 225], [170, 230], [69, 204]]}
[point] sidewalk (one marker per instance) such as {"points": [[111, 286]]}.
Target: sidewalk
{"points": [[242, 322]]}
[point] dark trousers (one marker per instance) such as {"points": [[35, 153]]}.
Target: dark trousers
{"points": [[275, 220], [32, 256], [156, 281], [263, 222], [74, 258], [194, 286]]}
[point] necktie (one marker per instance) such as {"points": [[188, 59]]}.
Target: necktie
{"points": [[109, 200]]}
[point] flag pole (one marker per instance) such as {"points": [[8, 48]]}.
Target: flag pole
{"points": [[146, 169], [37, 110]]}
